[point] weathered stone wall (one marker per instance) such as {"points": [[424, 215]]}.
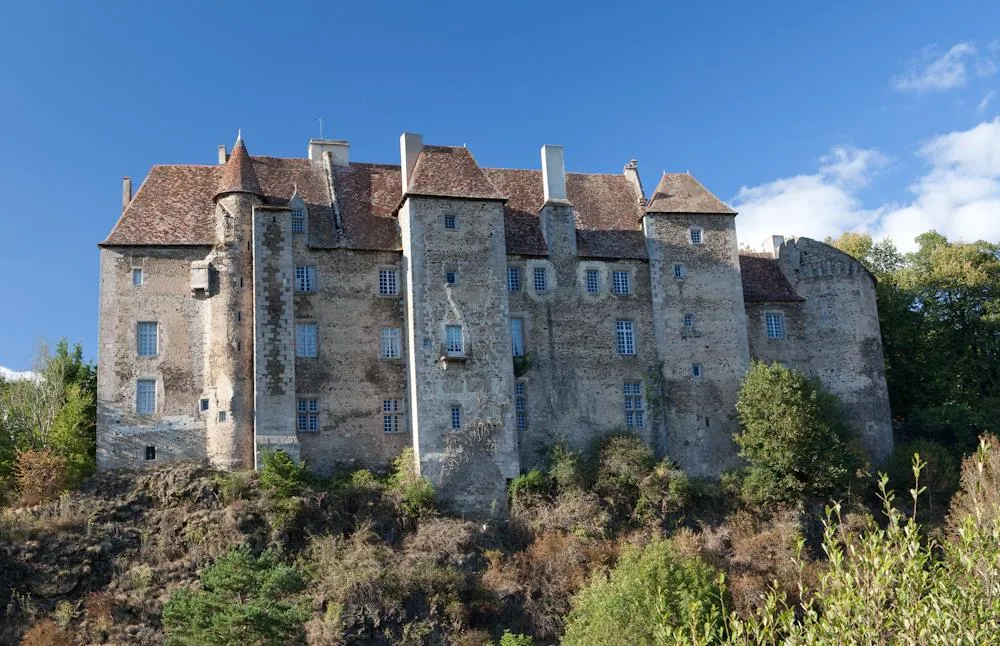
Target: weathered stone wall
{"points": [[177, 429], [793, 350], [700, 410]]}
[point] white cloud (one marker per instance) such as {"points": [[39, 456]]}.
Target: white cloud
{"points": [[985, 101], [931, 72], [959, 196], [11, 375]]}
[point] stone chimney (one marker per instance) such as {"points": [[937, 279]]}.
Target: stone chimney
{"points": [[337, 148], [772, 245], [553, 174], [631, 172], [223, 157], [126, 192], [410, 146]]}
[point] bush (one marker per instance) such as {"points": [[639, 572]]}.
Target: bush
{"points": [[243, 600], [510, 639], [281, 476], [650, 593], [566, 468], [663, 491], [979, 495], [939, 476], [531, 484], [623, 460], [46, 633], [416, 493], [41, 475]]}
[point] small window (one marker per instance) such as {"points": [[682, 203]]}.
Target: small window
{"points": [[626, 337], [390, 343], [150, 452], [695, 369], [307, 415], [622, 282], [454, 342], [391, 416], [223, 416], [517, 337], [689, 322], [388, 282], [148, 338], [305, 340], [145, 396], [450, 221], [298, 221], [203, 404], [137, 276], [451, 277], [635, 413], [513, 279], [679, 271], [696, 237], [520, 407], [775, 325], [456, 417], [305, 279], [540, 280], [593, 281]]}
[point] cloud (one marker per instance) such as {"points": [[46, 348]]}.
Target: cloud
{"points": [[959, 194], [985, 101], [11, 375], [931, 72]]}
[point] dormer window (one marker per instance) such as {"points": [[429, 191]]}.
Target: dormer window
{"points": [[298, 220]]}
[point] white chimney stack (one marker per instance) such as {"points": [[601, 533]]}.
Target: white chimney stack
{"points": [[772, 245], [337, 148], [553, 173], [410, 146], [126, 192], [223, 157]]}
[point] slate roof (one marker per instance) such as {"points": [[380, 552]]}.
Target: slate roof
{"points": [[450, 171], [238, 174], [682, 193], [763, 280]]}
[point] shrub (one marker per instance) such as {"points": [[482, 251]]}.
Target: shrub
{"points": [[46, 633], [623, 460], [649, 593], [533, 483], [939, 477], [232, 486], [979, 495], [566, 468], [520, 639], [41, 475], [281, 476], [416, 493], [663, 491]]}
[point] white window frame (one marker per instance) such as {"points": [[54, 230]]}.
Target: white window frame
{"points": [[390, 343], [621, 282], [680, 271], [145, 397], [513, 279], [456, 417], [592, 286], [625, 336], [454, 341], [306, 340], [520, 406], [298, 220], [635, 409], [540, 279], [307, 414], [388, 281], [138, 273], [696, 235], [223, 416], [143, 338], [774, 324], [305, 278], [517, 336], [392, 416]]}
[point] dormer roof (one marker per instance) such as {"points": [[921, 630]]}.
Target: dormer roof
{"points": [[682, 193]]}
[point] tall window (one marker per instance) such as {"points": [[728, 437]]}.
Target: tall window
{"points": [[635, 414], [454, 343], [388, 282], [541, 280], [391, 416], [305, 340], [145, 396], [520, 409], [390, 343], [513, 279], [626, 337], [679, 271], [305, 279], [622, 282], [696, 237], [148, 339], [456, 417], [593, 281], [308, 415], [517, 337], [695, 369], [137, 275], [298, 221], [775, 325], [688, 322]]}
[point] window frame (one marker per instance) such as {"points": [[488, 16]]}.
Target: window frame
{"points": [[456, 417], [697, 371], [778, 328], [451, 221], [298, 217], [307, 413], [540, 275], [514, 341], [592, 287], [137, 271], [689, 321], [634, 404], [520, 406], [451, 348], [139, 338], [391, 339], [306, 284], [392, 414], [300, 340], [625, 337], [151, 384], [696, 232], [384, 285], [680, 271], [513, 278], [618, 287]]}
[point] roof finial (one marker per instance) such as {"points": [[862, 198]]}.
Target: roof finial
{"points": [[239, 135], [321, 127]]}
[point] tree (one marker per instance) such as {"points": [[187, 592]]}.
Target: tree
{"points": [[793, 438]]}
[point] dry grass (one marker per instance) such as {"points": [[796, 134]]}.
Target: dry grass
{"points": [[41, 476], [46, 633]]}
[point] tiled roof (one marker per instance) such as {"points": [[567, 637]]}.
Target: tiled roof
{"points": [[450, 171], [682, 193], [763, 280], [238, 174], [367, 195]]}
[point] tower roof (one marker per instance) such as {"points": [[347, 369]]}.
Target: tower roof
{"points": [[682, 193], [238, 175]]}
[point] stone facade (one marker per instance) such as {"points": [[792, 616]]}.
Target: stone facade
{"points": [[342, 312]]}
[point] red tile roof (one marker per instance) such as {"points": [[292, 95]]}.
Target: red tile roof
{"points": [[450, 171], [682, 193], [763, 280], [238, 174]]}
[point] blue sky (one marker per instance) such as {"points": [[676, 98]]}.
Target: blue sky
{"points": [[811, 118]]}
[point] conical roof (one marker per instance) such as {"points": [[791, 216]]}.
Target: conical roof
{"points": [[238, 175]]}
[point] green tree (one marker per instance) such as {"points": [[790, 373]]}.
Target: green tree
{"points": [[792, 437]]}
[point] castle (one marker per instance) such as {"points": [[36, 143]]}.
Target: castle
{"points": [[342, 312]]}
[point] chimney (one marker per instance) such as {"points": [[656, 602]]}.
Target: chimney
{"points": [[337, 148], [631, 172], [772, 245], [410, 146], [223, 157], [126, 192], [553, 173]]}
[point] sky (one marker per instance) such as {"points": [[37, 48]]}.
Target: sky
{"points": [[809, 118]]}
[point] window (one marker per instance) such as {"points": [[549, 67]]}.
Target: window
{"points": [[305, 340], [520, 409], [696, 237], [635, 415], [390, 343], [688, 322], [454, 344], [388, 282], [626, 337], [203, 405], [513, 279], [695, 369], [456, 417], [679, 271], [136, 275], [593, 281], [517, 337], [540, 280], [145, 396], [307, 415], [223, 416], [450, 221], [150, 452], [451, 276], [147, 341], [298, 220], [775, 325], [390, 416], [305, 279], [622, 283]]}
